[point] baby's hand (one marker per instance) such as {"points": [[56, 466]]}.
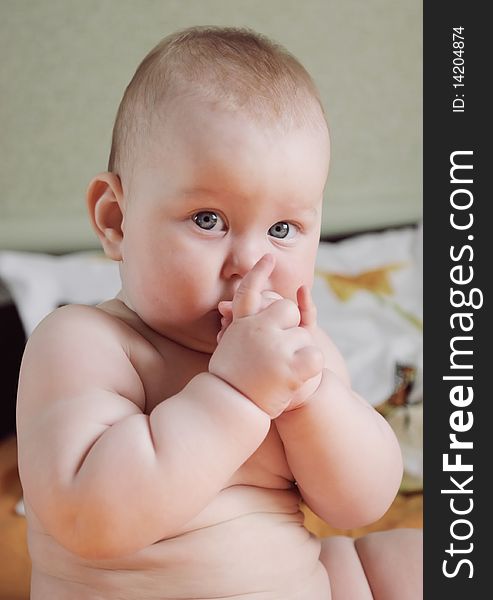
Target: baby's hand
{"points": [[308, 313], [226, 309], [264, 353]]}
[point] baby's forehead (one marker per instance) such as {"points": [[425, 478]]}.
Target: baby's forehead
{"points": [[196, 118], [221, 155], [204, 131]]}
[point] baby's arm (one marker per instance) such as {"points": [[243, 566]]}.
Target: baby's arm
{"points": [[104, 478], [343, 454]]}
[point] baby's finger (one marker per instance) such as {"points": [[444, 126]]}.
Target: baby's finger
{"points": [[308, 362], [308, 310], [247, 298], [225, 323], [284, 313], [225, 307], [267, 298]]}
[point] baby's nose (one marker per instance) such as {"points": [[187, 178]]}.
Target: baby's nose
{"points": [[240, 260]]}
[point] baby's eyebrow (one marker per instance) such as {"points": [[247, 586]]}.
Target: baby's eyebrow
{"points": [[197, 191], [310, 211]]}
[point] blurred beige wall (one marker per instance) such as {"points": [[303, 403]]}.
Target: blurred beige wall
{"points": [[65, 64]]}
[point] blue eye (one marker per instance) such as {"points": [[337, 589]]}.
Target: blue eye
{"points": [[208, 220], [282, 230]]}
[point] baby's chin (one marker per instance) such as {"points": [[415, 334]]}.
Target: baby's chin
{"points": [[199, 336]]}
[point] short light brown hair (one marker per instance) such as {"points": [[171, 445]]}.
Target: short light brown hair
{"points": [[234, 67]]}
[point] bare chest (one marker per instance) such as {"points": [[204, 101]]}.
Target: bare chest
{"points": [[166, 372]]}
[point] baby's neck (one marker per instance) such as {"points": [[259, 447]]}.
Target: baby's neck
{"points": [[119, 308]]}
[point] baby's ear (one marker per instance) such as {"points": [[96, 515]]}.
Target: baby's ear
{"points": [[105, 206]]}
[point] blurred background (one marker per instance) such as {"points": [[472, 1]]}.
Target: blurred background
{"points": [[66, 63], [64, 67]]}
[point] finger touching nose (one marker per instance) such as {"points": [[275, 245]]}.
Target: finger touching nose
{"points": [[248, 296], [241, 259]]}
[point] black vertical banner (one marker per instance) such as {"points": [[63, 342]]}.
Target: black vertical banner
{"points": [[458, 241]]}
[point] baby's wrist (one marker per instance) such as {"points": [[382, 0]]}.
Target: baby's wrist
{"points": [[224, 380], [306, 393], [220, 387]]}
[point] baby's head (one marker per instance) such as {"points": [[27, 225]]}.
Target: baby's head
{"points": [[231, 70], [220, 155]]}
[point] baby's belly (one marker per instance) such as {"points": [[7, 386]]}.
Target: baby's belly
{"points": [[250, 543]]}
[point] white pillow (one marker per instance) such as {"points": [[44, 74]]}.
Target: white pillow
{"points": [[39, 283]]}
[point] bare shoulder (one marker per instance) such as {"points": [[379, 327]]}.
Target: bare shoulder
{"points": [[77, 383], [334, 360], [76, 349]]}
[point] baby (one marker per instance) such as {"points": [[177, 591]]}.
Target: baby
{"points": [[167, 436]]}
